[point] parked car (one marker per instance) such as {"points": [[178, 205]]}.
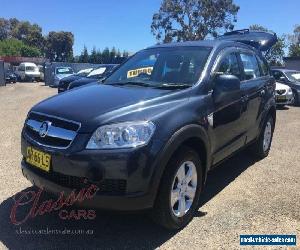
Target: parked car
{"points": [[290, 78], [284, 95], [60, 73], [95, 75], [148, 139], [10, 77], [42, 73], [64, 83], [28, 72]]}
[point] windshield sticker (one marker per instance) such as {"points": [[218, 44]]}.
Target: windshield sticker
{"points": [[296, 76], [136, 72]]}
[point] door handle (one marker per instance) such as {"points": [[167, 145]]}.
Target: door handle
{"points": [[245, 98], [262, 92]]}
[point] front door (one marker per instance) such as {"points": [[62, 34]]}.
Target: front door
{"points": [[228, 130]]}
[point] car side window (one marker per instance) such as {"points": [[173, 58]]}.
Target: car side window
{"points": [[251, 68], [277, 75], [264, 66], [229, 65]]}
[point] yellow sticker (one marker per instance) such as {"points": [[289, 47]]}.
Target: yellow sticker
{"points": [[136, 72]]}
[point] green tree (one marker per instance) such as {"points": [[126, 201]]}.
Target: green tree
{"points": [[84, 57], [30, 34], [93, 56], [125, 54], [183, 20], [276, 53], [14, 47], [112, 55], [106, 56], [294, 46], [59, 46], [99, 56], [4, 29]]}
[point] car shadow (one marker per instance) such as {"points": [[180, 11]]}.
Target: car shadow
{"points": [[282, 108], [109, 229]]}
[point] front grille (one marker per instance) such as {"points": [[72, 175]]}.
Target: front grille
{"points": [[60, 134], [48, 141], [57, 122], [281, 91], [106, 186]]}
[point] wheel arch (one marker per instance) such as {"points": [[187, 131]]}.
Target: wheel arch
{"points": [[194, 136]]}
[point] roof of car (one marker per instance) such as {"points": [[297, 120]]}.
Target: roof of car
{"points": [[205, 43]]}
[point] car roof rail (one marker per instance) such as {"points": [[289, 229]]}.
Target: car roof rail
{"points": [[237, 32]]}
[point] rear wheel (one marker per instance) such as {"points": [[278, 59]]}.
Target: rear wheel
{"points": [[295, 101], [179, 191], [261, 147]]}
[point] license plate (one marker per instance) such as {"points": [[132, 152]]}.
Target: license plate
{"points": [[281, 97], [38, 159]]}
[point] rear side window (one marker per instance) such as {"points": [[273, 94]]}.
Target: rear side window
{"points": [[264, 66], [251, 68], [229, 65]]}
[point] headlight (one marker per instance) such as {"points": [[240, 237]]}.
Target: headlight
{"points": [[121, 135]]}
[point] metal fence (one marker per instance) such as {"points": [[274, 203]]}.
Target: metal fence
{"points": [[2, 74], [50, 68]]}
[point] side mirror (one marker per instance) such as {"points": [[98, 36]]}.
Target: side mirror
{"points": [[226, 88], [282, 79]]}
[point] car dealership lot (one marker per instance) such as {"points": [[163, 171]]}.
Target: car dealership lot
{"points": [[242, 196]]}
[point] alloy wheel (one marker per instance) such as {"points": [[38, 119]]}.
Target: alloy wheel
{"points": [[183, 189]]}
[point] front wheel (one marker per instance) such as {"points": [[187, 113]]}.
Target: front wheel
{"points": [[262, 146], [179, 192]]}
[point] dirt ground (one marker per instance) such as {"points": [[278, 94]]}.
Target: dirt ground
{"points": [[241, 197]]}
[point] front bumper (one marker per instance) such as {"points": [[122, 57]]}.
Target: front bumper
{"points": [[285, 99], [124, 177]]}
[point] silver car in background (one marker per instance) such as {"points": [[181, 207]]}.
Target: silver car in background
{"points": [[60, 73], [284, 95]]}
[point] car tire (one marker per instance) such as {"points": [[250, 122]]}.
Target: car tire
{"points": [[295, 99], [173, 194], [261, 147]]}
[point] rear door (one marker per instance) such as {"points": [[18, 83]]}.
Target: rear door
{"points": [[253, 85]]}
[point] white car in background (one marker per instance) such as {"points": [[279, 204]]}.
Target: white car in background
{"points": [[284, 94], [28, 71]]}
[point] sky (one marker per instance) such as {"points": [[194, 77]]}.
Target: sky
{"points": [[126, 24]]}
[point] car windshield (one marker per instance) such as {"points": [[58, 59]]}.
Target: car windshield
{"points": [[162, 67], [97, 72], [64, 70], [30, 68], [293, 75], [84, 72]]}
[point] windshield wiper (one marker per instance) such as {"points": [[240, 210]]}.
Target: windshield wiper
{"points": [[173, 86], [133, 83]]}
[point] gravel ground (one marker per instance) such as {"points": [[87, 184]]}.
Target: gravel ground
{"points": [[242, 196]]}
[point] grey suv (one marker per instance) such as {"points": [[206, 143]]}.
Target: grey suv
{"points": [[148, 135]]}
